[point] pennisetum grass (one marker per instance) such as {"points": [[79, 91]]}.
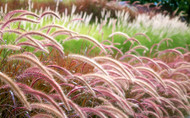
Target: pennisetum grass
{"points": [[125, 35], [11, 13], [85, 83], [47, 108], [127, 72], [171, 50], [121, 84], [89, 39], [94, 111], [131, 55], [146, 86], [31, 60], [52, 82], [43, 95], [63, 31], [35, 43], [56, 74], [77, 109], [17, 19], [107, 112], [122, 103], [107, 80], [88, 60], [40, 34], [52, 26], [114, 110], [16, 89], [67, 72], [12, 47], [29, 44], [150, 71], [29, 14], [151, 60], [143, 35], [49, 13], [41, 115], [154, 106]]}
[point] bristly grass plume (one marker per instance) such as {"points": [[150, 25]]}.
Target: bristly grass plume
{"points": [[110, 68]]}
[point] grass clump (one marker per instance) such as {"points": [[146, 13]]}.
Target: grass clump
{"points": [[118, 69]]}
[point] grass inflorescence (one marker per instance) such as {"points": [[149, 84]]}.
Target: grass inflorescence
{"points": [[56, 65]]}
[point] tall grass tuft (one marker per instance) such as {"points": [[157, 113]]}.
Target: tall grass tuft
{"points": [[47, 108], [121, 69], [16, 89]]}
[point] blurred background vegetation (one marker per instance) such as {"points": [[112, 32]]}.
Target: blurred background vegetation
{"points": [[171, 5], [182, 6]]}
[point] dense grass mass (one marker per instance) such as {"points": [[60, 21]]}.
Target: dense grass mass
{"points": [[155, 28], [64, 65]]}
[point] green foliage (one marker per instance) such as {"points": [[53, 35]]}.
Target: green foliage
{"points": [[171, 5]]}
